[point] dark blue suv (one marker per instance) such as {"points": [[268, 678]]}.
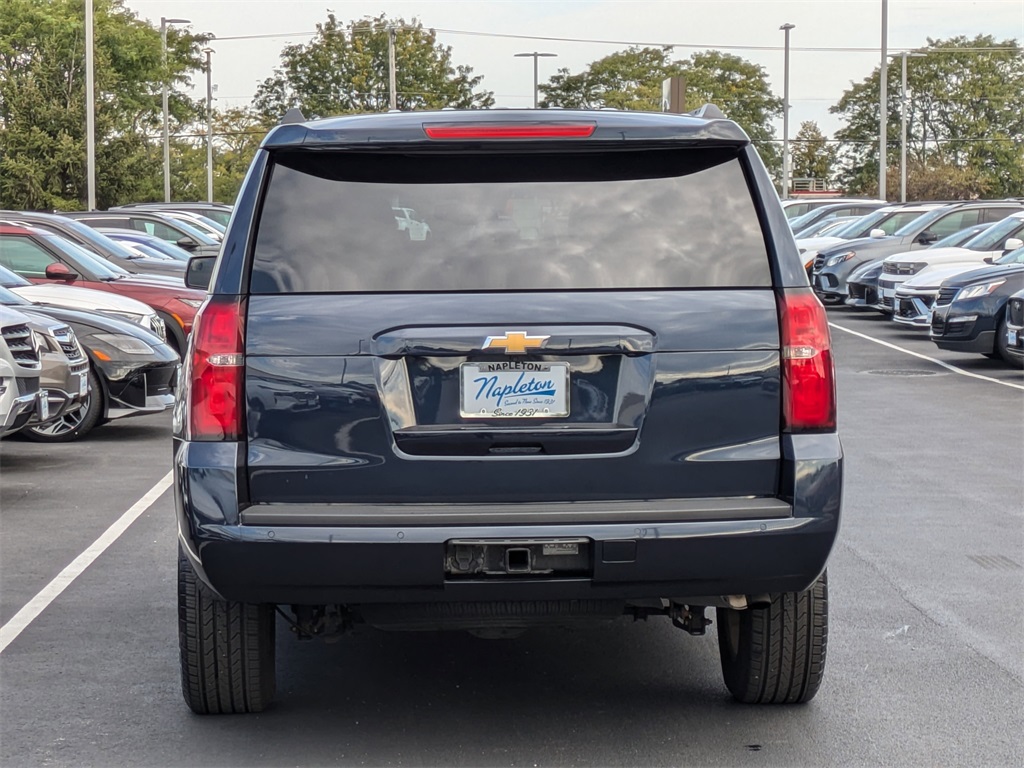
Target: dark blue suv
{"points": [[486, 370]]}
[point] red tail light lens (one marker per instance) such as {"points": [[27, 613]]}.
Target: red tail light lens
{"points": [[217, 370], [524, 131], [808, 375]]}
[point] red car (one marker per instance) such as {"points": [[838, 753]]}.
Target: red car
{"points": [[43, 257]]}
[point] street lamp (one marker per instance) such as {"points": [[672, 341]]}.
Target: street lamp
{"points": [[903, 124], [536, 55], [209, 125], [167, 139], [90, 110], [883, 97], [785, 116]]}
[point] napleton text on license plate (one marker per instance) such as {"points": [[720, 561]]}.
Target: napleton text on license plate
{"points": [[514, 389]]}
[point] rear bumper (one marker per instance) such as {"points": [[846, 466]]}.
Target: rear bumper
{"points": [[713, 547]]}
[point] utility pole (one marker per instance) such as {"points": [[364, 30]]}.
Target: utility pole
{"points": [[786, 160], [392, 75], [883, 114], [167, 139], [209, 125], [90, 109], [903, 125], [536, 85]]}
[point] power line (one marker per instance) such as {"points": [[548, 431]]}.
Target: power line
{"points": [[641, 44]]}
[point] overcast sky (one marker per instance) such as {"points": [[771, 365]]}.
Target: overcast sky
{"points": [[817, 78]]}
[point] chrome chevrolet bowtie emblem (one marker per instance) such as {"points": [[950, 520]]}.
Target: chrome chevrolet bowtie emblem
{"points": [[515, 342]]}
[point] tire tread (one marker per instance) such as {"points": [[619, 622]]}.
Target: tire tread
{"points": [[227, 649], [781, 651]]}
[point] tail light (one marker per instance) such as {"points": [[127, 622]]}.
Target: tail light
{"points": [[808, 374], [216, 370]]}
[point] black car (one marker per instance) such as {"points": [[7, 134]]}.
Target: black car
{"points": [[970, 312], [87, 237], [132, 372], [153, 223], [592, 383]]}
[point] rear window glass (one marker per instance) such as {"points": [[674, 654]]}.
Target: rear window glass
{"points": [[390, 222]]}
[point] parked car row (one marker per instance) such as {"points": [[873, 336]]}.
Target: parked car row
{"points": [[94, 313], [951, 269]]}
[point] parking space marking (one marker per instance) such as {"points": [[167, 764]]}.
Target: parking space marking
{"points": [[30, 612], [952, 368]]}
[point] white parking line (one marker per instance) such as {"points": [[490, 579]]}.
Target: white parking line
{"points": [[953, 368], [30, 612]]}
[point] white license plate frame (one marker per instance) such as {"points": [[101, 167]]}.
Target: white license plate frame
{"points": [[1011, 338], [83, 385], [513, 390]]}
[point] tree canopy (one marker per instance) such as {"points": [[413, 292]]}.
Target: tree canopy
{"points": [[344, 69], [42, 102], [963, 112], [813, 157], [632, 79]]}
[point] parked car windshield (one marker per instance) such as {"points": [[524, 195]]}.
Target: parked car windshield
{"points": [[10, 279], [97, 239], [1013, 257], [10, 299], [887, 221], [104, 269], [960, 239], [334, 222], [994, 238]]}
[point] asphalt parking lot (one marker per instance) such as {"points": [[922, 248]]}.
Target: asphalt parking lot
{"points": [[925, 659]]}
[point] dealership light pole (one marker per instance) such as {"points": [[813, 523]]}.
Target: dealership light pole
{"points": [[883, 111], [903, 124], [209, 125], [167, 139], [90, 109], [785, 115], [536, 55]]}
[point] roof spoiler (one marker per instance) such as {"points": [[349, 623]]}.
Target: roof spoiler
{"points": [[709, 112], [293, 115]]}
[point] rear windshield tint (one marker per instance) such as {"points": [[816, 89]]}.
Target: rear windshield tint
{"points": [[387, 222]]}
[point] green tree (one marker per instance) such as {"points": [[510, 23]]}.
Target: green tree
{"points": [[963, 111], [813, 157], [345, 69], [42, 102], [629, 79], [632, 79]]}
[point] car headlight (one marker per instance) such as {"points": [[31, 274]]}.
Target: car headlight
{"points": [[194, 303], [127, 344], [984, 289], [840, 258], [131, 317]]}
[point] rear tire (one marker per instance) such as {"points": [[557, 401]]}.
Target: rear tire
{"points": [[227, 649], [776, 655]]}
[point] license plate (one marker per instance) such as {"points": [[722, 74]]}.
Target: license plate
{"points": [[44, 406], [83, 385], [514, 390], [1011, 338]]}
